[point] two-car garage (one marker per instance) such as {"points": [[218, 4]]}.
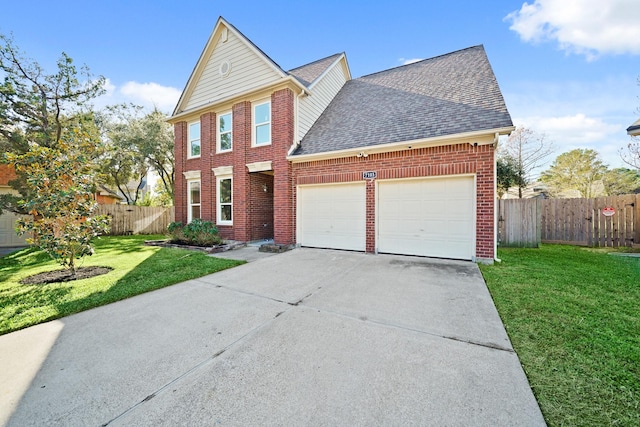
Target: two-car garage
{"points": [[419, 216]]}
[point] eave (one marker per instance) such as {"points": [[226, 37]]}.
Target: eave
{"points": [[483, 137]]}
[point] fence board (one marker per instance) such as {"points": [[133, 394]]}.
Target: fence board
{"points": [[127, 219], [519, 223], [573, 221]]}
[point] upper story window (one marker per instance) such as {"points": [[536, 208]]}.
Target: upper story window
{"points": [[262, 123], [225, 133], [194, 139]]}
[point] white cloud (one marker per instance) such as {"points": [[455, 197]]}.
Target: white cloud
{"points": [[148, 95], [566, 133], [572, 130], [587, 27], [151, 94]]}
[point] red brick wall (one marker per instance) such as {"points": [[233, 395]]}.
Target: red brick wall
{"points": [[207, 180], [180, 190], [433, 161], [282, 139], [7, 173], [249, 216]]}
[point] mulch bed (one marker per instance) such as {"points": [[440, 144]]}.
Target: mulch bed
{"points": [[66, 275]]}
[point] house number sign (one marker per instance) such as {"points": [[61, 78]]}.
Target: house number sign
{"points": [[369, 175], [608, 211]]}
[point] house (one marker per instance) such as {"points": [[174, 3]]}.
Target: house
{"points": [[8, 236], [400, 161], [634, 129], [105, 196]]}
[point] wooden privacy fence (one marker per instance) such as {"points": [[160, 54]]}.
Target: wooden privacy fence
{"points": [[603, 221], [127, 219], [519, 223]]}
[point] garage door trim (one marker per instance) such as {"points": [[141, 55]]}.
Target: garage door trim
{"points": [[422, 178], [361, 217]]}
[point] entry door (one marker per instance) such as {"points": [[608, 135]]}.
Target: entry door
{"points": [[332, 216], [429, 217]]}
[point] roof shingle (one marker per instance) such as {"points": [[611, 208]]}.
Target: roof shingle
{"points": [[445, 95], [307, 74]]}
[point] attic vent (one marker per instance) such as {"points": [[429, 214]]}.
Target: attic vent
{"points": [[225, 68], [225, 34]]}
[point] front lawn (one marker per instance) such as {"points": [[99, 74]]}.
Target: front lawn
{"points": [[573, 316], [136, 269]]}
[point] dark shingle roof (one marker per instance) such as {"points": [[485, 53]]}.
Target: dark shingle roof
{"points": [[634, 127], [306, 74], [445, 95]]}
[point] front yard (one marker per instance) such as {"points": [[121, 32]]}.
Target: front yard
{"points": [[136, 269], [573, 316]]}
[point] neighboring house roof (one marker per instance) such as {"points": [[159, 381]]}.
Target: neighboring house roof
{"points": [[103, 190], [445, 95], [307, 74], [634, 129]]}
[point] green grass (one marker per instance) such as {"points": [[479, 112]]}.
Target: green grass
{"points": [[136, 269], [573, 316]]}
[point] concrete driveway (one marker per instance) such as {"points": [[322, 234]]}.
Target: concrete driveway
{"points": [[308, 337]]}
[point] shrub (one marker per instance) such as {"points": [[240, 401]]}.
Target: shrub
{"points": [[198, 232]]}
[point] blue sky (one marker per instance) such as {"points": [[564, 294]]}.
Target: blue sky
{"points": [[567, 68]]}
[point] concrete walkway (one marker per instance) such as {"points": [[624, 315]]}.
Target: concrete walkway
{"points": [[308, 337]]}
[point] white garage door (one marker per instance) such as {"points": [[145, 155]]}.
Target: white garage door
{"points": [[429, 217], [8, 236], [332, 216]]}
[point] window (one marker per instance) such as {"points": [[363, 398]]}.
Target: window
{"points": [[193, 194], [194, 139], [225, 135], [225, 198], [262, 123]]}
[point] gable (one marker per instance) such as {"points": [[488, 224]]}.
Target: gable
{"points": [[230, 64], [325, 86], [434, 99]]}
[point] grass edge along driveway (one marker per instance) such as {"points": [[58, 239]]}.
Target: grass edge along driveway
{"points": [[573, 317], [136, 269]]}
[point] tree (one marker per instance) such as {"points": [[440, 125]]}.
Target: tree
{"points": [[621, 181], [529, 150], [507, 174], [136, 143], [37, 108], [155, 140], [632, 154], [576, 170], [61, 181]]}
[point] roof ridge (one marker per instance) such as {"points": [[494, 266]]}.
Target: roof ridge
{"points": [[422, 60], [316, 61]]}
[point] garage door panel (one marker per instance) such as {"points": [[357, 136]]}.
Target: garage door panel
{"points": [[8, 235], [332, 216], [428, 217]]}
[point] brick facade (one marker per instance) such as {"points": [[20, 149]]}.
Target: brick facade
{"points": [[423, 162], [7, 173], [254, 216]]}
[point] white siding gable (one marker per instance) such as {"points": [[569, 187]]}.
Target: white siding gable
{"points": [[249, 70], [323, 91]]}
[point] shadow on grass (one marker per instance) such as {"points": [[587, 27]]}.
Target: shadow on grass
{"points": [[164, 268], [14, 305], [14, 262]]}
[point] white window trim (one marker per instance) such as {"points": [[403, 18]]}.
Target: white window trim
{"points": [[189, 139], [218, 204], [189, 204], [254, 124], [219, 134]]}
